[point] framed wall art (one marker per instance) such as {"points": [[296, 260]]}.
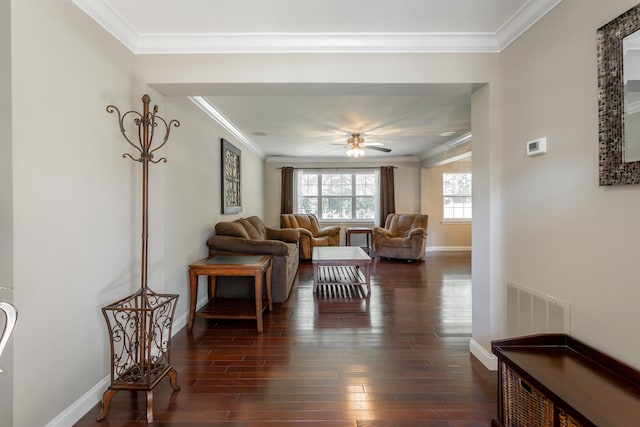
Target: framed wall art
{"points": [[231, 185]]}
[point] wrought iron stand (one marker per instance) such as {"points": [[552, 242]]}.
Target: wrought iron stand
{"points": [[140, 324]]}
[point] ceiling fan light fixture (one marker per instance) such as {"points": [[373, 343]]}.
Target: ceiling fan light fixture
{"points": [[355, 152], [356, 147], [356, 140]]}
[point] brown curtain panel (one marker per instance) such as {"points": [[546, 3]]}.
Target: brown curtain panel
{"points": [[387, 193], [286, 192]]}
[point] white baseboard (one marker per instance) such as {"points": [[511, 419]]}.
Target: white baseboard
{"points": [[489, 360], [73, 413], [80, 407], [448, 248]]}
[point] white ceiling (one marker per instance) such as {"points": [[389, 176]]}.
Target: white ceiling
{"points": [[307, 120]]}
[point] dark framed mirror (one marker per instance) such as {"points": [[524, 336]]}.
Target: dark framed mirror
{"points": [[619, 99]]}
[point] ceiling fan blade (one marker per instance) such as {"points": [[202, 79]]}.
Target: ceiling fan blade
{"points": [[373, 147]]}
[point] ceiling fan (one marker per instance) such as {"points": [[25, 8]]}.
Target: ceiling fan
{"points": [[356, 146]]}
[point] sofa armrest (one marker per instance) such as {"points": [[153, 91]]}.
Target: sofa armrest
{"points": [[329, 231], [382, 232], [247, 246], [417, 232], [302, 232], [289, 235]]}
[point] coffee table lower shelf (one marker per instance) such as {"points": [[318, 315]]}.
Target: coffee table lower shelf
{"points": [[341, 265], [342, 275]]}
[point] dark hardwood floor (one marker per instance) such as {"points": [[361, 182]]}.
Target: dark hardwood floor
{"points": [[399, 359]]}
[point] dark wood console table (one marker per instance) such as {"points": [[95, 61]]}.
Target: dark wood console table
{"points": [[556, 380], [256, 266]]}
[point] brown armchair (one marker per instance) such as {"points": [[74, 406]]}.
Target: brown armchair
{"points": [[311, 234], [404, 236]]}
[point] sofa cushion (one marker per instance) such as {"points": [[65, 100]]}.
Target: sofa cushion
{"points": [[252, 231], [233, 229], [396, 242]]}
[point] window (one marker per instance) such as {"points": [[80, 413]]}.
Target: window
{"points": [[456, 196], [337, 195]]}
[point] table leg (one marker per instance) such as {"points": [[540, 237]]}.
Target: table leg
{"points": [[258, 292], [268, 274], [193, 295], [212, 286], [315, 278], [367, 277], [149, 406]]}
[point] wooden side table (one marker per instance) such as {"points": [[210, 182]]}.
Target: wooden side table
{"points": [[367, 231], [256, 266]]}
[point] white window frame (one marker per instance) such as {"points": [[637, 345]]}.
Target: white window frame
{"points": [[353, 196], [449, 219]]}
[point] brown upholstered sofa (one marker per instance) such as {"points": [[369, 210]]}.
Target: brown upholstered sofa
{"points": [[311, 234], [404, 236], [251, 236]]}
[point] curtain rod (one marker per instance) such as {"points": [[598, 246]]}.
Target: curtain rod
{"points": [[337, 168]]}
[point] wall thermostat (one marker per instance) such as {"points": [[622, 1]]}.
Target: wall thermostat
{"points": [[537, 146]]}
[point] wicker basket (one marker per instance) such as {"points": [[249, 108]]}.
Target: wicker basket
{"points": [[566, 420], [524, 406]]}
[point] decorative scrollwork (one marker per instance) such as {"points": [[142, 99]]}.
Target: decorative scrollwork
{"points": [[140, 332], [146, 123]]}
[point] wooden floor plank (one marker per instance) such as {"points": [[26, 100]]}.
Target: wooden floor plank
{"points": [[399, 358]]}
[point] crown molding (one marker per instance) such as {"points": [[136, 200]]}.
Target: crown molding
{"points": [[449, 145], [108, 19], [342, 160], [209, 109], [523, 19], [316, 43], [196, 43]]}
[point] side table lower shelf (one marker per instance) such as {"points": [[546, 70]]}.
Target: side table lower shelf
{"points": [[230, 308]]}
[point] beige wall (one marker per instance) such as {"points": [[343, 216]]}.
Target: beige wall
{"points": [[189, 74], [193, 202], [486, 231], [70, 242], [441, 235], [77, 204], [565, 236], [74, 231], [6, 206]]}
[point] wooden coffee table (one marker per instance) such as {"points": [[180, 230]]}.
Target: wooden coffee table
{"points": [[256, 266], [327, 261]]}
